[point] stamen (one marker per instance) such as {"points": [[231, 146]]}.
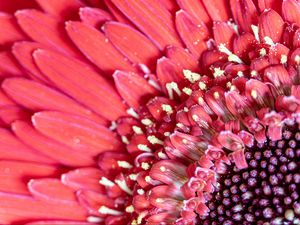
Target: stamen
{"points": [[192, 77], [122, 184], [145, 166], [124, 164], [167, 108], [129, 209], [144, 148], [202, 86], [137, 130], [147, 122], [108, 211], [106, 182], [172, 87], [218, 72], [187, 91], [154, 140], [133, 113], [255, 32], [269, 41]]}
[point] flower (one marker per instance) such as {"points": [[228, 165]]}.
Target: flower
{"points": [[174, 112]]}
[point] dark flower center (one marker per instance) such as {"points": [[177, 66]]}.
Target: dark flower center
{"points": [[267, 192]]}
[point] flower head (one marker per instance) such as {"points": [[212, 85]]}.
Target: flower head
{"points": [[174, 112]]}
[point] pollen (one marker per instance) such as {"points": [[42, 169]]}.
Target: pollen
{"points": [[191, 76]]}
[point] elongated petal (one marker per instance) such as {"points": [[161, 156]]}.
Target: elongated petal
{"points": [[9, 30], [244, 13], [51, 190], [84, 179], [290, 11], [62, 9], [14, 175], [55, 150], [182, 58], [271, 25], [58, 222], [134, 89], [134, 45], [15, 208], [218, 10], [69, 75], [11, 149], [197, 33], [76, 132], [97, 48], [93, 16], [223, 34], [9, 114], [22, 51], [196, 9], [36, 97], [45, 29], [269, 4], [144, 15], [9, 66]]}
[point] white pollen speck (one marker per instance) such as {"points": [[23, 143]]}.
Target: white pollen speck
{"points": [[240, 74], [108, 211], [218, 72], [148, 179], [297, 59], [147, 122], [200, 101], [255, 32], [162, 169], [289, 214], [202, 86], [216, 95], [154, 140], [185, 109], [145, 166], [172, 87], [133, 176], [254, 73], [132, 113], [140, 191], [162, 155], [124, 164], [106, 182], [262, 52], [283, 59], [167, 134], [268, 41], [125, 140], [129, 209], [167, 108], [254, 94], [123, 185], [192, 77], [188, 91], [137, 130], [143, 148], [94, 219]]}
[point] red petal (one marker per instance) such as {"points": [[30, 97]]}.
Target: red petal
{"points": [[9, 67], [76, 132], [244, 13], [36, 97], [9, 114], [45, 29], [271, 25], [196, 9], [96, 47], [290, 11], [182, 58], [93, 16], [193, 35], [223, 34], [120, 17], [134, 45], [84, 178], [9, 30], [170, 5], [13, 5], [14, 175], [11, 148], [243, 44], [296, 39], [134, 89], [51, 190], [58, 222], [23, 53], [69, 75], [62, 9], [269, 4], [16, 208], [218, 10], [4, 100], [143, 14], [59, 152]]}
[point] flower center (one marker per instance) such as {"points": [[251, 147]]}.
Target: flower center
{"points": [[267, 191]]}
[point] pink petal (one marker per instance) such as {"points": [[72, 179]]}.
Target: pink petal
{"points": [[4, 100], [84, 178], [22, 51], [120, 17], [51, 190], [69, 75], [134, 45], [62, 9], [170, 5], [243, 44], [159, 29], [244, 13], [196, 9], [9, 114], [182, 58], [11, 148], [9, 66], [76, 132], [197, 33], [97, 48], [46, 30], [290, 11], [36, 97], [218, 10], [59, 152], [58, 222], [239, 159], [93, 16], [134, 89], [14, 175], [15, 208], [271, 25], [9, 30]]}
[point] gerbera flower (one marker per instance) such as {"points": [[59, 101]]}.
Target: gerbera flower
{"points": [[150, 112]]}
